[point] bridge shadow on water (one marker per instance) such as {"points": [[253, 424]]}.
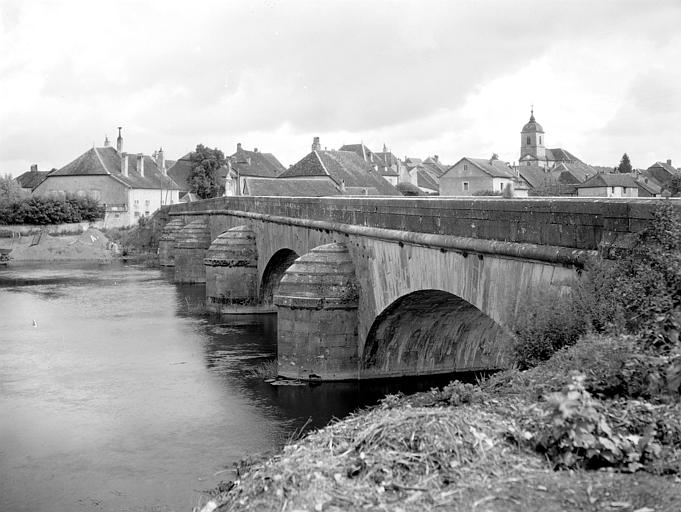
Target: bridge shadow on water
{"points": [[235, 346]]}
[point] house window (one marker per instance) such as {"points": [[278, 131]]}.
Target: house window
{"points": [[528, 140], [465, 167], [528, 163], [137, 214], [95, 194], [624, 190], [501, 186], [465, 185], [612, 189], [136, 204]]}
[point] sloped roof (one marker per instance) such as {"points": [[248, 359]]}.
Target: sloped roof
{"points": [[182, 168], [532, 125], [494, 168], [609, 180], [577, 172], [667, 167], [538, 177], [651, 186], [425, 178], [344, 167], [561, 155], [31, 179], [255, 163], [386, 158], [290, 187], [438, 167], [360, 149], [107, 161]]}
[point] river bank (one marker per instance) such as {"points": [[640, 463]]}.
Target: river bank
{"points": [[91, 245], [521, 441]]}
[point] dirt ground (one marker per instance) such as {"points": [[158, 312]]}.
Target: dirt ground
{"points": [[92, 245]]}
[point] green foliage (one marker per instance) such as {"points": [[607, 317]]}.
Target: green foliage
{"points": [[546, 323], [38, 210], [487, 193], [578, 434], [674, 186], [10, 190], [204, 179], [640, 292], [625, 164]]}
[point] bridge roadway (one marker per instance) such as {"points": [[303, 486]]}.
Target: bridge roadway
{"points": [[369, 287]]}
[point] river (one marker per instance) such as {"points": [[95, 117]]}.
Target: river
{"points": [[115, 395]]}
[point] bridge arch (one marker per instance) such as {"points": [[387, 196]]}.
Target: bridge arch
{"points": [[274, 271], [432, 331]]}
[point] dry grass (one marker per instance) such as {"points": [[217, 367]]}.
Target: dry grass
{"points": [[264, 370], [402, 458]]}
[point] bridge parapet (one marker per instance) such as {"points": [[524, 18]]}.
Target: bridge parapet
{"points": [[577, 223]]}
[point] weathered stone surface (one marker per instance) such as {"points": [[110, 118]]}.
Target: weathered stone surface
{"points": [[166, 242], [191, 244], [232, 268], [317, 304]]}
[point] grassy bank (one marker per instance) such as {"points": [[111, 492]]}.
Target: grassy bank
{"points": [[545, 439]]}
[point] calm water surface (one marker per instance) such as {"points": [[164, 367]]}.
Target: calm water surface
{"points": [[114, 396]]}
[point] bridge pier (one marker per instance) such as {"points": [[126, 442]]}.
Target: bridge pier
{"points": [[232, 269], [317, 304], [191, 244], [166, 242]]}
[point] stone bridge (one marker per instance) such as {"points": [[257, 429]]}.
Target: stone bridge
{"points": [[368, 287]]}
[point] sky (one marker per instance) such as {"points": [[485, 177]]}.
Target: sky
{"points": [[423, 77]]}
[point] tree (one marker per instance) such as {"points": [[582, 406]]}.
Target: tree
{"points": [[625, 164], [204, 178], [674, 186], [9, 189]]}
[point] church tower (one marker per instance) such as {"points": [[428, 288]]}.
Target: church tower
{"points": [[532, 140]]}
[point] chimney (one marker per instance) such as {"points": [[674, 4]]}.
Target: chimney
{"points": [[316, 146], [255, 150], [248, 159], [437, 158], [161, 161], [124, 164], [669, 161], [238, 146], [140, 164], [106, 141], [34, 168], [119, 141]]}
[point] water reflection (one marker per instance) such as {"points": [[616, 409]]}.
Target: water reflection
{"points": [[125, 397]]}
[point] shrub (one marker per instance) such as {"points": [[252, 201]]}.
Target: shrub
{"points": [[546, 323], [38, 210], [487, 193]]}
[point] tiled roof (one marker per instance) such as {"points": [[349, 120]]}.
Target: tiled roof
{"points": [[255, 163], [667, 167], [31, 179], [651, 186], [344, 167], [609, 180], [359, 149], [574, 172], [106, 161], [361, 191], [290, 187], [425, 178], [561, 155], [436, 166], [495, 168], [533, 126], [386, 158], [537, 177]]}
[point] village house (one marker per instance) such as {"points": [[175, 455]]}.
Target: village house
{"points": [[29, 180], [608, 185], [130, 186], [181, 170], [384, 163], [423, 176], [471, 175], [244, 164], [348, 171]]}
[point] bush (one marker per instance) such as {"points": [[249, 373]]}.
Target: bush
{"points": [[40, 211], [546, 323], [487, 193]]}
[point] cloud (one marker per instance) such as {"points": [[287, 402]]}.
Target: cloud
{"points": [[214, 72]]}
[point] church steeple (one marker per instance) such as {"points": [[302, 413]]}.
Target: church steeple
{"points": [[532, 140]]}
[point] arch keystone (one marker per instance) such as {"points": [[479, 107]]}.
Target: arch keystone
{"points": [[317, 302]]}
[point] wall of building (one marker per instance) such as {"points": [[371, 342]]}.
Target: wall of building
{"points": [[452, 182], [608, 192], [103, 188]]}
